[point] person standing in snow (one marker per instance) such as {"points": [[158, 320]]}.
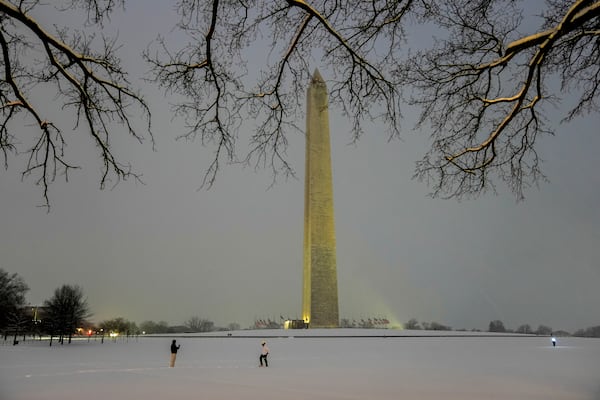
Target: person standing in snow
{"points": [[174, 348], [263, 354]]}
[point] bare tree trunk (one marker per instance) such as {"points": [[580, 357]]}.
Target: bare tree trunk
{"points": [[15, 341]]}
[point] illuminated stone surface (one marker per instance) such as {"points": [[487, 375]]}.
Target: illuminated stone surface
{"points": [[320, 295]]}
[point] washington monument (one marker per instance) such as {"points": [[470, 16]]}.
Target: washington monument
{"points": [[320, 295]]}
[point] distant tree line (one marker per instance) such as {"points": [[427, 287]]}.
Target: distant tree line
{"points": [[498, 326], [593, 331], [192, 325], [66, 314], [428, 326]]}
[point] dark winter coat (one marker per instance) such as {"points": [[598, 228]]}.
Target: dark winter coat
{"points": [[174, 348]]}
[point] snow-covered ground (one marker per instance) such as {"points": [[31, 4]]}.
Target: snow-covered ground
{"points": [[307, 364]]}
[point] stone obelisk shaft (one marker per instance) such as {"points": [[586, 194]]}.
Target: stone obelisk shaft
{"points": [[320, 294]]}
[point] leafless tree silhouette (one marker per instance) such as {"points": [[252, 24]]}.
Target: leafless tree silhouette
{"points": [[87, 81], [222, 90], [483, 87], [66, 311]]}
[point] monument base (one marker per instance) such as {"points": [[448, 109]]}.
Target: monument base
{"points": [[295, 324]]}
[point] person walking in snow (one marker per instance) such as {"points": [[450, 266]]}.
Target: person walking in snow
{"points": [[263, 354], [174, 348]]}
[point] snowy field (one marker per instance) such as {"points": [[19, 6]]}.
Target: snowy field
{"points": [[315, 364]]}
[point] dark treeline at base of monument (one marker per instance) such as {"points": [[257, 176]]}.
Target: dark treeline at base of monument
{"points": [[53, 319], [122, 329]]}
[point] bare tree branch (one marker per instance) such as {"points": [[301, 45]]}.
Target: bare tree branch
{"points": [[91, 83], [211, 71], [239, 82], [485, 103]]}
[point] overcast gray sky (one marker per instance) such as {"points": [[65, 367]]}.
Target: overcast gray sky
{"points": [[168, 251]]}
